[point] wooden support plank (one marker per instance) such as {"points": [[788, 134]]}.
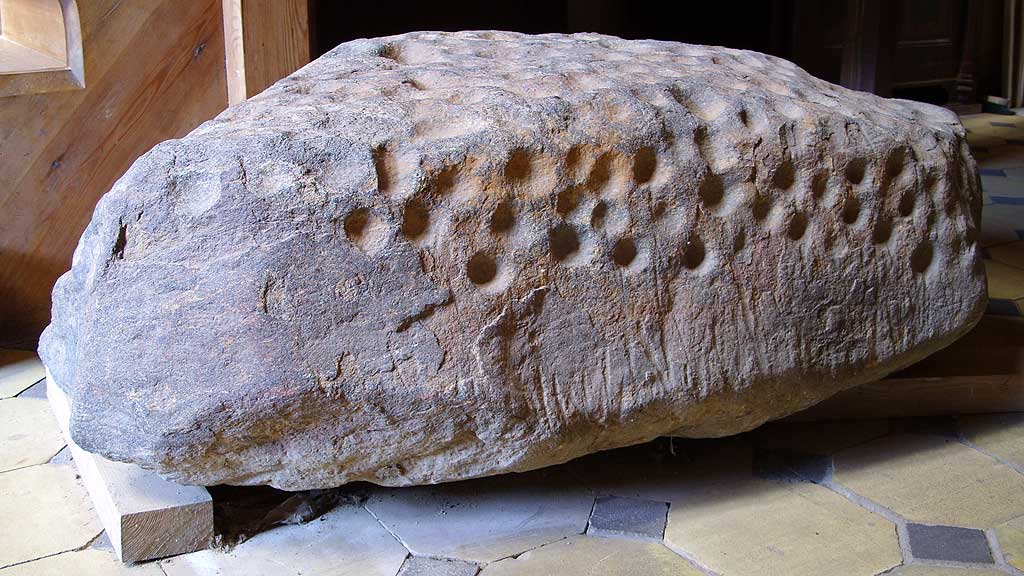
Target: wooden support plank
{"points": [[145, 516], [265, 41], [912, 397], [983, 372]]}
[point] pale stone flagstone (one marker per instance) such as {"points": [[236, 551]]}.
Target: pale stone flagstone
{"points": [[439, 256], [749, 527], [346, 541], [998, 434], [595, 556], [422, 566], [82, 563], [18, 371], [486, 519], [1011, 541], [933, 480], [44, 511], [28, 433]]}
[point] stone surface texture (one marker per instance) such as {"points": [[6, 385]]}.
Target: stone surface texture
{"points": [[446, 255]]}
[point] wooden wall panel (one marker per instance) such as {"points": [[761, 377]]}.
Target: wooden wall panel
{"points": [[154, 69], [266, 41]]}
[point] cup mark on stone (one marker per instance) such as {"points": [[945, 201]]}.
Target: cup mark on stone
{"points": [[761, 206], [922, 256], [391, 52], [693, 252], [415, 218], [573, 159], [785, 176], [568, 200], [481, 269], [906, 205], [624, 251], [711, 190], [796, 226], [363, 229], [739, 241], [355, 224], [563, 241], [851, 209], [895, 163], [645, 162], [503, 218], [819, 185], [519, 166], [600, 172], [882, 230], [598, 215], [855, 170], [385, 166]]}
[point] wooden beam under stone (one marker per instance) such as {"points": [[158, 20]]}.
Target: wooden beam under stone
{"points": [[145, 516], [983, 372]]}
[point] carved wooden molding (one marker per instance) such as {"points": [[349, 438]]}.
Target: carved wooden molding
{"points": [[40, 47]]}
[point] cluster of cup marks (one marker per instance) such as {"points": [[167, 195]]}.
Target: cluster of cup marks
{"points": [[563, 241]]}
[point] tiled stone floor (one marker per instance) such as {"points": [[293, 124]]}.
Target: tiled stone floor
{"points": [[928, 497]]}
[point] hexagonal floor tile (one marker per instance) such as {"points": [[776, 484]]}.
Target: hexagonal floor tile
{"points": [[1001, 435], [82, 563], [592, 556], [346, 540], [50, 509], [485, 519], [29, 433], [932, 480], [746, 526], [1011, 540]]}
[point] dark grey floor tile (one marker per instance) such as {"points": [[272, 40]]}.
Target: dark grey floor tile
{"points": [[639, 517], [948, 543]]}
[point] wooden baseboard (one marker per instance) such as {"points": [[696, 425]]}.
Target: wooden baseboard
{"points": [[145, 516]]}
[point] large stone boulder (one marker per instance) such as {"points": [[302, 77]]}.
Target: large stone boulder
{"points": [[438, 256]]}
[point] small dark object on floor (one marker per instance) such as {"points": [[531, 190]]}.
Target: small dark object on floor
{"points": [[241, 512]]}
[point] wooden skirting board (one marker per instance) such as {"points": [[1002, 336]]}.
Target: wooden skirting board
{"points": [[145, 516]]}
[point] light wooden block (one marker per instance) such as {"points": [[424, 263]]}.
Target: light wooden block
{"points": [[145, 516]]}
